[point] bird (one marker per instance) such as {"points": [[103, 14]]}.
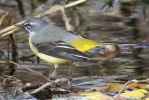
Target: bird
{"points": [[56, 45]]}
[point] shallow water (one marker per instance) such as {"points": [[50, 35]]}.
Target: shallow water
{"points": [[130, 33]]}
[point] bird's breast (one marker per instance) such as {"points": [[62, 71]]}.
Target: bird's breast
{"points": [[45, 57]]}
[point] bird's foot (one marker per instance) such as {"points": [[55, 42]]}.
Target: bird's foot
{"points": [[53, 75], [69, 82]]}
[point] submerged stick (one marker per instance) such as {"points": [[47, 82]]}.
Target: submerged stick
{"points": [[30, 70]]}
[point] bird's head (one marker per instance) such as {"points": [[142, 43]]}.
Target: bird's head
{"points": [[34, 25]]}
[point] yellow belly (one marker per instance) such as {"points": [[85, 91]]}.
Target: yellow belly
{"points": [[45, 57], [51, 59]]}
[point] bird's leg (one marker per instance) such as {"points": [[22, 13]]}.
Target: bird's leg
{"points": [[54, 73], [70, 72]]}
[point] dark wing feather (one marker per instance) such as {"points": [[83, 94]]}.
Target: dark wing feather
{"points": [[61, 49]]}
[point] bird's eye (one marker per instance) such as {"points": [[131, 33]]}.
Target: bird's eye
{"points": [[27, 25]]}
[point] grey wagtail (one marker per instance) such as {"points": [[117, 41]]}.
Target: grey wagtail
{"points": [[56, 45]]}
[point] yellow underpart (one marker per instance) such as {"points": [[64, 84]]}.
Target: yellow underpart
{"points": [[45, 57], [84, 45]]}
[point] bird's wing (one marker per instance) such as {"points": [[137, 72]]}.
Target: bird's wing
{"points": [[62, 50]]}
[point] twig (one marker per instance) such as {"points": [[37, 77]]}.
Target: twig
{"points": [[145, 81], [14, 53], [75, 79], [54, 9], [3, 17], [32, 71], [20, 7], [75, 3], [10, 31], [14, 28], [42, 87], [123, 88], [129, 82]]}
